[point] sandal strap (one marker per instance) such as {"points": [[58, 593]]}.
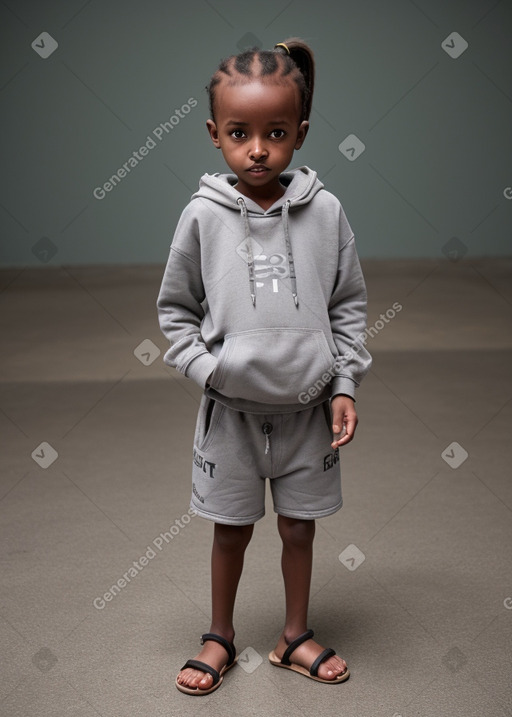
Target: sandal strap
{"points": [[203, 667], [328, 652], [228, 646], [285, 660]]}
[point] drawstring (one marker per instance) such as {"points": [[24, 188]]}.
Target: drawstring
{"points": [[250, 257], [248, 243], [267, 444], [291, 263], [267, 429]]}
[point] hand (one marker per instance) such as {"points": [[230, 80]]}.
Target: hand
{"points": [[344, 420]]}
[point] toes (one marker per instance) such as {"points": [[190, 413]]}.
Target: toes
{"points": [[201, 680], [205, 682], [194, 678], [331, 668], [341, 665], [185, 677]]}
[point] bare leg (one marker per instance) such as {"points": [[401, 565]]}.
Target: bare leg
{"points": [[297, 562], [229, 544]]}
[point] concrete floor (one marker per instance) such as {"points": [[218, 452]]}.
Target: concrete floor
{"points": [[424, 620]]}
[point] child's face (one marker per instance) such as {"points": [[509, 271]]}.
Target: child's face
{"points": [[257, 128]]}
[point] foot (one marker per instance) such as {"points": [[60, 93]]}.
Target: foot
{"points": [[214, 655], [307, 653]]}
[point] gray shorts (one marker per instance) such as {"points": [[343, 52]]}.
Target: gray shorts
{"points": [[234, 452]]}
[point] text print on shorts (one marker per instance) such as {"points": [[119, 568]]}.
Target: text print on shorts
{"points": [[202, 439], [204, 435]]}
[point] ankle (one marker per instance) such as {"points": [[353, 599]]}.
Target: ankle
{"points": [[228, 633], [290, 634]]}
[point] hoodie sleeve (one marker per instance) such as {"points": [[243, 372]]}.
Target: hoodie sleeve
{"points": [[347, 312], [180, 303]]}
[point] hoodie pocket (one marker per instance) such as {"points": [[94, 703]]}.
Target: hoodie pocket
{"points": [[272, 365]]}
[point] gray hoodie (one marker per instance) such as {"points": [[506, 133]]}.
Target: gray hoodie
{"points": [[265, 309]]}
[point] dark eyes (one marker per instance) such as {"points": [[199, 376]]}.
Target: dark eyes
{"points": [[275, 134]]}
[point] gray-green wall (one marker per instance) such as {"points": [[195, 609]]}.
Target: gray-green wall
{"points": [[434, 179]]}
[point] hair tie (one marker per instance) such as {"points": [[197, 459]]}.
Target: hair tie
{"points": [[281, 44]]}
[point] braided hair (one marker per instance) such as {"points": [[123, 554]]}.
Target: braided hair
{"points": [[291, 59]]}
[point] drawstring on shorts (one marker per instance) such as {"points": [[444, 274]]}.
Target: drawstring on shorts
{"points": [[267, 430]]}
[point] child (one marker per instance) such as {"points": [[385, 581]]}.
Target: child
{"points": [[264, 304]]}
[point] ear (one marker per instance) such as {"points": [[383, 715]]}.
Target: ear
{"points": [[301, 134], [214, 134]]}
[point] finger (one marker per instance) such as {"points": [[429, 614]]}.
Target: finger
{"points": [[339, 433], [337, 421], [347, 434]]}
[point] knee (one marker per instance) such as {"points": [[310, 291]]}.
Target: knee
{"points": [[232, 538], [296, 533]]}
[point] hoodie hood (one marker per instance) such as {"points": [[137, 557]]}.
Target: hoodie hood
{"points": [[301, 185]]}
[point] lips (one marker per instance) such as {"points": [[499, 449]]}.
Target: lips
{"points": [[258, 169]]}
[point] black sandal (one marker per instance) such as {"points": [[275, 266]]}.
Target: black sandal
{"points": [[313, 670], [218, 677]]}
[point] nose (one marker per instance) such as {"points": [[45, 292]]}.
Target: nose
{"points": [[258, 150]]}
